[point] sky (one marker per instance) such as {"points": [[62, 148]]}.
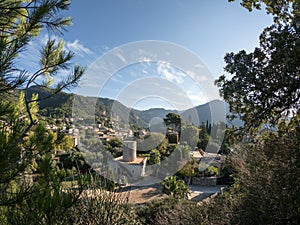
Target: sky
{"points": [[202, 31]]}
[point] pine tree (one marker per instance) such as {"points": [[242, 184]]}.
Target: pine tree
{"points": [[26, 147]]}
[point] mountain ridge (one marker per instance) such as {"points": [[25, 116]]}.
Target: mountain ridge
{"points": [[213, 111]]}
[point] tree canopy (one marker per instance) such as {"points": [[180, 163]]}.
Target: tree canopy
{"points": [[263, 86], [174, 120], [26, 146]]}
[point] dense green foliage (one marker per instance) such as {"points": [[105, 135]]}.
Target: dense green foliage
{"points": [[154, 157], [174, 121], [171, 211], [175, 187], [268, 178], [35, 186], [265, 84], [114, 146], [32, 185], [263, 89]]}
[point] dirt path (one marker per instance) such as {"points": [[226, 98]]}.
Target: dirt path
{"points": [[145, 194]]}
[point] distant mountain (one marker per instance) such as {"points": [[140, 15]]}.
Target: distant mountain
{"points": [[55, 101], [213, 111], [62, 104], [147, 115]]}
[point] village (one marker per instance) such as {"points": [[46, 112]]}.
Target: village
{"points": [[201, 171]]}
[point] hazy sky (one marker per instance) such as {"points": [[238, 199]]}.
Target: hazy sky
{"points": [[208, 28]]}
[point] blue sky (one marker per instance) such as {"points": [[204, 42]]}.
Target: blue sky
{"points": [[208, 28]]}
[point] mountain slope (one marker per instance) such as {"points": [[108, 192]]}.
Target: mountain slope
{"points": [[213, 111]]}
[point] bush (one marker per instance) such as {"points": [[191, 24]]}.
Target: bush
{"points": [[175, 188], [171, 211]]}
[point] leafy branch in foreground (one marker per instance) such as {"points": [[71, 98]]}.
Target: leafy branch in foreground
{"points": [[30, 181], [21, 21]]}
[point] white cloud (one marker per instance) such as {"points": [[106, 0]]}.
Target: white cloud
{"points": [[194, 76], [145, 60], [168, 72], [196, 97], [45, 38], [29, 59], [199, 66], [120, 56], [78, 48]]}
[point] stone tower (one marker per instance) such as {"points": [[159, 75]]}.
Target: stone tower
{"points": [[129, 151]]}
